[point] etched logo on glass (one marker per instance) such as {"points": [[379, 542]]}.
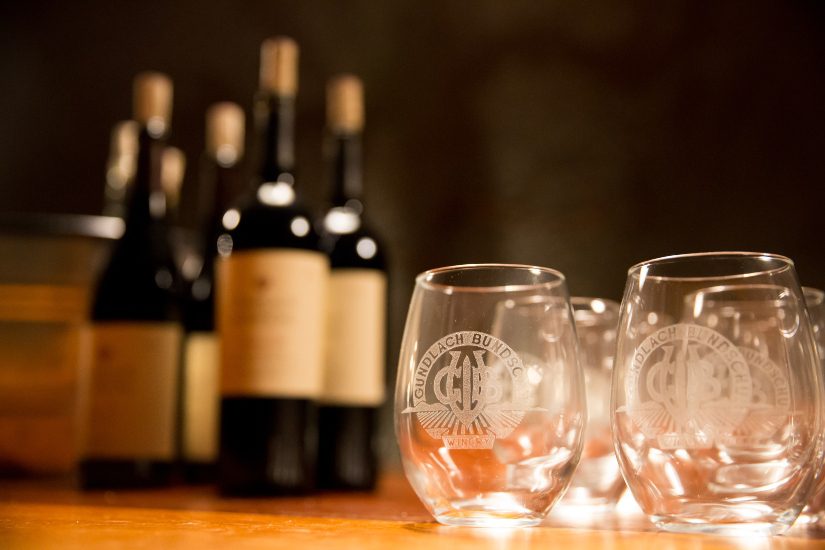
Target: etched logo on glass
{"points": [[688, 387], [770, 401], [469, 389]]}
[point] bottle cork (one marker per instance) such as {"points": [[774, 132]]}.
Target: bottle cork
{"points": [[279, 66], [345, 104], [152, 101], [172, 169], [120, 167], [225, 132], [124, 139]]}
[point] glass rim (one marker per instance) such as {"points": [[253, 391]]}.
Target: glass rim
{"points": [[587, 314], [709, 294], [423, 279], [588, 300], [636, 269]]}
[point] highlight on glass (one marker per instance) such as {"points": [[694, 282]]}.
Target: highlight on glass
{"points": [[813, 515], [597, 483]]}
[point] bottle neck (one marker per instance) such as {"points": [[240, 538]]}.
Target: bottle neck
{"points": [[347, 175], [225, 179], [275, 117], [148, 200], [219, 182], [344, 215], [216, 182]]}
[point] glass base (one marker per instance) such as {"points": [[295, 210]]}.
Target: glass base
{"points": [[749, 518], [583, 498], [579, 509], [487, 512], [808, 520], [744, 529]]}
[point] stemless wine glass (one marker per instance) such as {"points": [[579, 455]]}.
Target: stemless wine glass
{"points": [[490, 405], [597, 482], [717, 418], [813, 515]]}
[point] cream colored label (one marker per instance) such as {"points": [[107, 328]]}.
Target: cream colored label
{"points": [[133, 390], [354, 371], [271, 314], [200, 397], [50, 303]]}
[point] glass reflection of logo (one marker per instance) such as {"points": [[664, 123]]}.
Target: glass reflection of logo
{"points": [[688, 387]]}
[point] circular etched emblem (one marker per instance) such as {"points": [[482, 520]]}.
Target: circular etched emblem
{"points": [[469, 389], [770, 400], [687, 387]]}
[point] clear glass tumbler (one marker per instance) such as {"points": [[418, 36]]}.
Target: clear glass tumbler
{"points": [[597, 483], [490, 405], [717, 418], [813, 515]]}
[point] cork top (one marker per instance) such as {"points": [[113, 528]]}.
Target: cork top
{"points": [[345, 104], [279, 66], [120, 167], [225, 132], [124, 139], [172, 169], [152, 101]]}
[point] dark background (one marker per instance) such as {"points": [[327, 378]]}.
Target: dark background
{"points": [[582, 136]]}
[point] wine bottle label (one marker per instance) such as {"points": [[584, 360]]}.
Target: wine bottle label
{"points": [[271, 312], [133, 390], [200, 397], [354, 370]]}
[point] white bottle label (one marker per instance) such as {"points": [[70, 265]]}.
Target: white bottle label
{"points": [[133, 390], [354, 371], [271, 315], [200, 397]]}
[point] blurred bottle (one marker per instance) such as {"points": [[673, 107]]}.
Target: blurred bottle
{"points": [[184, 241], [221, 168], [136, 334], [120, 168], [271, 308], [356, 330]]}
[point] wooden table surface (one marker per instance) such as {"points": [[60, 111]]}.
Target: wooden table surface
{"points": [[53, 514]]}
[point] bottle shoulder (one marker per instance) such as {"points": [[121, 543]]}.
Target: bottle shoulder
{"points": [[137, 291], [253, 225], [361, 248], [140, 280]]}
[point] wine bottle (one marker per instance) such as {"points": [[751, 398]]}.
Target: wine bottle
{"points": [[356, 331], [219, 173], [271, 305], [136, 334], [120, 168]]}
